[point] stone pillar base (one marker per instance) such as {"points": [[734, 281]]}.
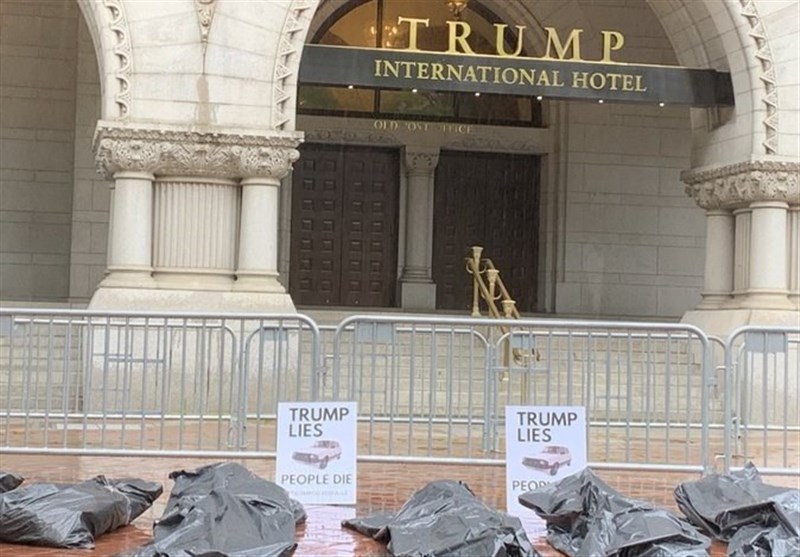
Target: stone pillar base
{"points": [[129, 278], [163, 300], [722, 322], [257, 282], [418, 296]]}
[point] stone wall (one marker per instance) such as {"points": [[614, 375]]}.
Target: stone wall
{"points": [[37, 121], [633, 239], [90, 200]]}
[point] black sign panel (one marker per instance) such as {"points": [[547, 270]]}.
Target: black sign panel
{"points": [[434, 71]]}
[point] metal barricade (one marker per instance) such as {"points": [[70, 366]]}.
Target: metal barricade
{"points": [[762, 402], [435, 388], [116, 383]]}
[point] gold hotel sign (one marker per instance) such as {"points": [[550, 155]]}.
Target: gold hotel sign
{"points": [[560, 71]]}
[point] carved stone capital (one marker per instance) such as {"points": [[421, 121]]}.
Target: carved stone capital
{"points": [[421, 161], [738, 185], [162, 151]]}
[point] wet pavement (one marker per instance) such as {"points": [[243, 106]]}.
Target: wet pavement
{"points": [[381, 487]]}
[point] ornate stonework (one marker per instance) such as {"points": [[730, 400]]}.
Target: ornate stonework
{"points": [[290, 43], [205, 15], [352, 137], [764, 55], [122, 50], [500, 144], [421, 161], [191, 153], [738, 185]]}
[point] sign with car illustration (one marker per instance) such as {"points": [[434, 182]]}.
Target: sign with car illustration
{"points": [[543, 445], [319, 454], [316, 460]]}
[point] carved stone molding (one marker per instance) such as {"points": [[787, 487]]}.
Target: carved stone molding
{"points": [[498, 144], [205, 15], [738, 185], [193, 153], [765, 59], [421, 161], [290, 44], [122, 50], [366, 137]]}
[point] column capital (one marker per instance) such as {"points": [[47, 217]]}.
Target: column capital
{"points": [[740, 184], [224, 153], [421, 160]]}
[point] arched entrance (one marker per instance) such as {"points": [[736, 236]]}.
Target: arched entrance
{"points": [[618, 237]]}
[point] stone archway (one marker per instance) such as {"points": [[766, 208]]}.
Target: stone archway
{"points": [[108, 26]]}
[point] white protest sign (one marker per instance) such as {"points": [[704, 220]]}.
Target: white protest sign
{"points": [[543, 445], [317, 451]]}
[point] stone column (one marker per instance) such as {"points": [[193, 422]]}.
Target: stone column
{"points": [[793, 255], [741, 259], [130, 263], [417, 289], [215, 229], [718, 275], [196, 220], [768, 266], [760, 193], [258, 236]]}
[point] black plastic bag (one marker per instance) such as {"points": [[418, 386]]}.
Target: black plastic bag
{"points": [[756, 519], [224, 509], [587, 518], [9, 481], [73, 516], [445, 519]]}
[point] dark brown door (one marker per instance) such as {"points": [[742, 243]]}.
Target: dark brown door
{"points": [[489, 200], [344, 226]]}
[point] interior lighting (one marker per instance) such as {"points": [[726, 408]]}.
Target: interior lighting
{"points": [[477, 93], [538, 97], [600, 101], [661, 104], [414, 90], [349, 86]]}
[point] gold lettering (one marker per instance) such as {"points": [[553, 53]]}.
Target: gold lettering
{"points": [[436, 71], [407, 66], [514, 76], [544, 80], [496, 78], [458, 33], [579, 80], [390, 67], [597, 84], [470, 75], [526, 74], [422, 70], [557, 79], [500, 39], [412, 29], [484, 70], [454, 71], [614, 77], [573, 41], [612, 40], [627, 82], [639, 84]]}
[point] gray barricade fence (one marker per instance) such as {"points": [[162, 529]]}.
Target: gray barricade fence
{"points": [[436, 388], [762, 411], [115, 383], [429, 389]]}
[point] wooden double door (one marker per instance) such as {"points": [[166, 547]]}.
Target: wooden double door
{"points": [[489, 200], [344, 226]]}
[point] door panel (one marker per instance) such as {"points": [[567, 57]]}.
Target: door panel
{"points": [[490, 200], [344, 226]]}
